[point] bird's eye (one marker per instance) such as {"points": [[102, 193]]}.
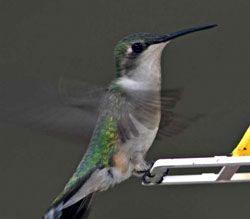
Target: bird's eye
{"points": [[137, 47]]}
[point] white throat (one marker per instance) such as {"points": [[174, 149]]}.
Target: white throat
{"points": [[147, 73]]}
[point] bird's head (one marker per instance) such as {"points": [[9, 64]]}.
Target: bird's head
{"points": [[141, 51]]}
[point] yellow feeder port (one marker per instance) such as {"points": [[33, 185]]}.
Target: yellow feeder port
{"points": [[243, 148]]}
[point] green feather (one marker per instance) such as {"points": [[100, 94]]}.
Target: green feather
{"points": [[102, 145]]}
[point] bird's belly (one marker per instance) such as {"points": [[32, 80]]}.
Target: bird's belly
{"points": [[105, 178], [143, 142]]}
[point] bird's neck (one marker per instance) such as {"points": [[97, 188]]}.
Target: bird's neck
{"points": [[145, 71], [145, 76]]}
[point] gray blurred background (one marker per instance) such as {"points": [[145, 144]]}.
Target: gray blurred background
{"points": [[45, 39]]}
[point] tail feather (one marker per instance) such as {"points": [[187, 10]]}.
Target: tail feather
{"points": [[79, 210], [84, 208], [61, 209]]}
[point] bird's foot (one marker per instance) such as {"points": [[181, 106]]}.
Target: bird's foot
{"points": [[147, 175], [142, 167]]}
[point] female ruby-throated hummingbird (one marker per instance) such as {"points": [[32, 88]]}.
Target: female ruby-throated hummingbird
{"points": [[129, 119]]}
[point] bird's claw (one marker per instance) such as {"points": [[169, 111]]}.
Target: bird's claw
{"points": [[147, 173]]}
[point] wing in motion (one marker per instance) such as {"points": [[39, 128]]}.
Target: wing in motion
{"points": [[69, 108], [52, 107]]}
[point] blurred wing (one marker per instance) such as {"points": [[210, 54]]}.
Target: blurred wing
{"points": [[64, 110], [133, 109], [173, 123], [145, 105], [80, 94]]}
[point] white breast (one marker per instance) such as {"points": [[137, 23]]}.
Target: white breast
{"points": [[145, 139]]}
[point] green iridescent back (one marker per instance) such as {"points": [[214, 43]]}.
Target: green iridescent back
{"points": [[103, 142]]}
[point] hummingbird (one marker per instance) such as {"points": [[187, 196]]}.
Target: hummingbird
{"points": [[129, 119]]}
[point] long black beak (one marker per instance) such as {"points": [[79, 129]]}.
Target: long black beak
{"points": [[168, 37]]}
